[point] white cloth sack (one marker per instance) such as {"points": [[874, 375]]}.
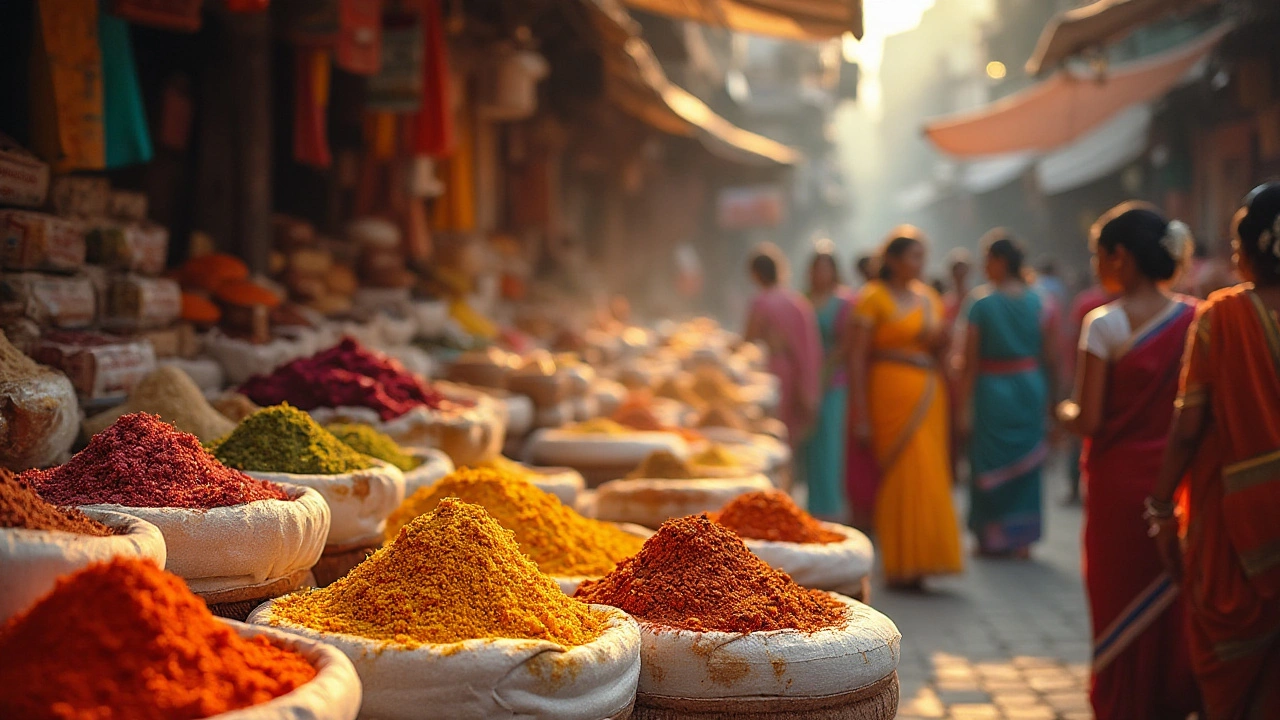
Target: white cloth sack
{"points": [[564, 483], [778, 663], [241, 360], [490, 678], [651, 502], [240, 546], [838, 566], [520, 414], [39, 421], [31, 561], [565, 448], [435, 465], [359, 502], [333, 694]]}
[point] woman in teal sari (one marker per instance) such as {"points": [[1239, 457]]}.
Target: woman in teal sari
{"points": [[1008, 366], [822, 455]]}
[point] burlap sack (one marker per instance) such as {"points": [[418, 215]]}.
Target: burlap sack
{"points": [[31, 561], [651, 502], [733, 670], [241, 547], [333, 694], [840, 566], [491, 678], [359, 502]]}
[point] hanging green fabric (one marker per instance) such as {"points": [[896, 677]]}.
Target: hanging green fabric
{"points": [[124, 117]]}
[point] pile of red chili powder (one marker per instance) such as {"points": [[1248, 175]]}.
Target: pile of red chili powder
{"points": [[142, 461], [345, 375], [21, 507], [695, 574], [125, 639], [773, 515]]}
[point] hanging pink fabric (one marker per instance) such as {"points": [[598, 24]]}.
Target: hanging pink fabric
{"points": [[310, 105], [433, 124]]}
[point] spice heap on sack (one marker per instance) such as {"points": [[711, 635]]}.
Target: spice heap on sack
{"points": [[716, 456], [142, 461], [559, 540], [125, 639], [235, 407], [22, 507], [452, 575], [723, 415], [637, 417], [697, 575], [367, 441], [14, 365], [713, 386], [283, 439], [507, 466], [346, 375], [174, 396], [773, 515], [663, 465]]}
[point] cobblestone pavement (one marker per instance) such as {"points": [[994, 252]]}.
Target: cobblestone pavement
{"points": [[1007, 639]]}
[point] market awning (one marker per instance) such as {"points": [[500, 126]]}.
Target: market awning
{"points": [[789, 19], [1097, 24], [635, 82], [1067, 106], [1098, 154]]}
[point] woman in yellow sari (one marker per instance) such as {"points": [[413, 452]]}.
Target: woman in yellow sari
{"points": [[898, 337]]}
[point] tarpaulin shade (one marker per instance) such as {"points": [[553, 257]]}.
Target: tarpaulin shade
{"points": [[636, 83], [1066, 106], [1095, 25], [789, 19], [1098, 154]]}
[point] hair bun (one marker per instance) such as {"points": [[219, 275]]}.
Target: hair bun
{"points": [[1177, 241]]}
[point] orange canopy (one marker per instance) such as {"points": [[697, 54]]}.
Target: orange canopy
{"points": [[1066, 106], [1096, 24], [789, 19]]}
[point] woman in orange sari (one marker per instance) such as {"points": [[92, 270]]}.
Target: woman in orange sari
{"points": [[900, 405], [1225, 447]]}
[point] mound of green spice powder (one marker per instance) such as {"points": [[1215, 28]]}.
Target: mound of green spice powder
{"points": [[364, 439], [284, 439]]}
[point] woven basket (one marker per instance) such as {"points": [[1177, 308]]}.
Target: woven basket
{"points": [[237, 603], [877, 701]]}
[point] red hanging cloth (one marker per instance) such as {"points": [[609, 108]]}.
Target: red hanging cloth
{"points": [[434, 132], [310, 105]]}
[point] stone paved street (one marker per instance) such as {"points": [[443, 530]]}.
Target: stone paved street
{"points": [[1008, 639]]}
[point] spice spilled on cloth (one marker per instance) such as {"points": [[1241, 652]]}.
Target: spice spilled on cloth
{"points": [[142, 461], [283, 439], [125, 639], [345, 375], [773, 515], [698, 575], [448, 576], [367, 441], [22, 507], [174, 396], [562, 542]]}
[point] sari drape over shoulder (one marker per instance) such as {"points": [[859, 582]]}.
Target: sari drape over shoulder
{"points": [[1141, 667], [1232, 559], [907, 402]]}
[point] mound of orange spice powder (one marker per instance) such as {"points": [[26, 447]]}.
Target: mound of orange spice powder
{"points": [[773, 515], [698, 575], [125, 639]]}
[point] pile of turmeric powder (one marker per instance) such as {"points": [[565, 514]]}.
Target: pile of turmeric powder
{"points": [[716, 456], [663, 465], [448, 576], [559, 540], [599, 426]]}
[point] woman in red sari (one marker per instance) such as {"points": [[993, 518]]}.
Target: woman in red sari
{"points": [[1225, 444], [1126, 383]]}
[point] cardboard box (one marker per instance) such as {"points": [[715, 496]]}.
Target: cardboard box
{"points": [[101, 367], [134, 246], [51, 300], [36, 241], [24, 178], [142, 303]]}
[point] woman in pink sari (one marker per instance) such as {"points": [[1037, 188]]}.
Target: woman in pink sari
{"points": [[1127, 381], [782, 320]]}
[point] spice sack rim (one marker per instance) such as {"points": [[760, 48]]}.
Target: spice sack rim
{"points": [[827, 566], [32, 560], [787, 662], [355, 517], [335, 693], [238, 546], [399, 679]]}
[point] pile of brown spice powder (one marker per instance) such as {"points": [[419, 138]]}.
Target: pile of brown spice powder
{"points": [[21, 507], [695, 574], [773, 515]]}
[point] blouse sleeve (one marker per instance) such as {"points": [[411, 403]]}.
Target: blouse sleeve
{"points": [[870, 308], [1096, 337], [1193, 386]]}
